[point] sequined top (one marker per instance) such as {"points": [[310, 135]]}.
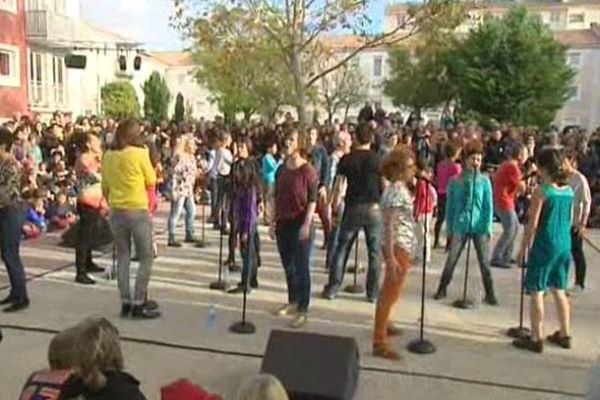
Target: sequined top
{"points": [[397, 196], [10, 182]]}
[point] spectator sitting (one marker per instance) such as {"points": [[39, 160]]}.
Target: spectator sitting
{"points": [[261, 387], [36, 222], [61, 213], [85, 362]]}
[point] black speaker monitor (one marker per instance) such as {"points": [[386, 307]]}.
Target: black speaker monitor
{"points": [[312, 366], [75, 61]]}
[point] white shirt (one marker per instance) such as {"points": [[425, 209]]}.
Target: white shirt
{"points": [[583, 197], [223, 161]]}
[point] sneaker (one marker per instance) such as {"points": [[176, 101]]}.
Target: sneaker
{"points": [[300, 320], [491, 300], [17, 306], [143, 312], [384, 351], [238, 289], [328, 294], [286, 309], [190, 239], [84, 279], [575, 290], [561, 341], [526, 343], [440, 294], [173, 243]]}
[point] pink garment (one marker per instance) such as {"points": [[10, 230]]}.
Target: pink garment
{"points": [[445, 172]]}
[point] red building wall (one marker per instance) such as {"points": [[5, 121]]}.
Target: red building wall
{"points": [[12, 32]]}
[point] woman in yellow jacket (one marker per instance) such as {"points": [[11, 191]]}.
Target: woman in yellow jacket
{"points": [[126, 174]]}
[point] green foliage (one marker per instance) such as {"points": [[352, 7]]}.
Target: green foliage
{"points": [[291, 32], [421, 81], [156, 98], [119, 100], [512, 69], [179, 113], [238, 65]]}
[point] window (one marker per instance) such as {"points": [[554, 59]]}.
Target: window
{"points": [[9, 5], [555, 16], [574, 59], [577, 18], [10, 66], [574, 93], [377, 66]]}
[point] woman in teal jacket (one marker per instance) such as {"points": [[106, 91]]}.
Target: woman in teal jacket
{"points": [[469, 215]]}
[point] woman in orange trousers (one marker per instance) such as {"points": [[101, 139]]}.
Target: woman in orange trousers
{"points": [[398, 237]]}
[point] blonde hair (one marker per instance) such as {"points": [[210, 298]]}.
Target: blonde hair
{"points": [[89, 348], [261, 387], [186, 145]]}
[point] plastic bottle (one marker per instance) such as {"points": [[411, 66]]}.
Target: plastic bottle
{"points": [[211, 319]]}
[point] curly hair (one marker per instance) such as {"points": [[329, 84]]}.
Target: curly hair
{"points": [[395, 162]]}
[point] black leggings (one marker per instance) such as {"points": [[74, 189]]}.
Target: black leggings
{"points": [[441, 216]]}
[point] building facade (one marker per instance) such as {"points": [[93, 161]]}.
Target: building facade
{"points": [[54, 29], [13, 58], [575, 24]]}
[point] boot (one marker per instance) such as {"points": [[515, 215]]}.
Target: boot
{"points": [[81, 262], [490, 296]]}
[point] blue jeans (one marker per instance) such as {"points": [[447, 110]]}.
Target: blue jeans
{"points": [[11, 222], [136, 224], [295, 257], [177, 207], [482, 247], [503, 252], [357, 217]]}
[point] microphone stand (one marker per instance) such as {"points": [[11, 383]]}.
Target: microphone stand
{"points": [[465, 303], [357, 267], [202, 242], [421, 345], [220, 284], [244, 327], [355, 288]]}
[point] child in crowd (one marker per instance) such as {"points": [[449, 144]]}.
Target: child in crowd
{"points": [[36, 222], [61, 213]]}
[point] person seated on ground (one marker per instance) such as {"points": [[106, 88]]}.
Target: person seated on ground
{"points": [[86, 362], [61, 213], [35, 223], [261, 387]]}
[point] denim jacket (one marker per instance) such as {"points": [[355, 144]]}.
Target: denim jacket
{"points": [[461, 197], [320, 160]]}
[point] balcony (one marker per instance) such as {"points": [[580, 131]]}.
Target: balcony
{"points": [[47, 96], [49, 27]]}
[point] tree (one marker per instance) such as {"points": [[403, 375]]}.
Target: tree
{"points": [[156, 98], [512, 69], [295, 29], [419, 80], [238, 65], [343, 88], [119, 100], [179, 113]]}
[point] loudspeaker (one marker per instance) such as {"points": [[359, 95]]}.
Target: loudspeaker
{"points": [[312, 366], [122, 63], [75, 61], [137, 63]]}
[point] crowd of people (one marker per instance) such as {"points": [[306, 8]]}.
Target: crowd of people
{"points": [[386, 177]]}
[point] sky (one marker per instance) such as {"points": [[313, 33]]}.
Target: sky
{"points": [[147, 21]]}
